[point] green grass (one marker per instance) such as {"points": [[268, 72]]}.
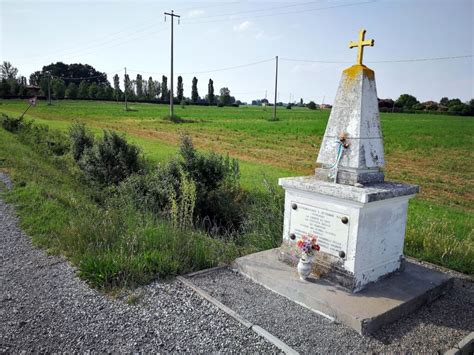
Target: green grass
{"points": [[111, 247], [434, 151]]}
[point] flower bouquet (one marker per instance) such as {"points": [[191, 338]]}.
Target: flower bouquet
{"points": [[307, 246]]}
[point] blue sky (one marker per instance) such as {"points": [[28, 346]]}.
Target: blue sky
{"points": [[212, 35]]}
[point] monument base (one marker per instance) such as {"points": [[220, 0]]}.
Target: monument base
{"points": [[378, 304], [348, 177]]}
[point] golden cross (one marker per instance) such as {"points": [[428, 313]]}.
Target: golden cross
{"points": [[361, 44]]}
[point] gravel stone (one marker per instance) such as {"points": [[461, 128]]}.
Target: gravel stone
{"points": [[433, 328], [44, 307]]}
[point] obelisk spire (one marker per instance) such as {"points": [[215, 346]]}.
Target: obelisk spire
{"points": [[352, 148]]}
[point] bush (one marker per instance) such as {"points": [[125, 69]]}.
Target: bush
{"points": [[151, 192], [13, 124], [311, 105], [45, 141], [81, 139], [111, 160], [218, 193]]}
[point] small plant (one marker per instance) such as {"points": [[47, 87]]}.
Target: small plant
{"points": [[182, 205], [307, 246]]}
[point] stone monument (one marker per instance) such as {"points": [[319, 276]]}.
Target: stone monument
{"points": [[358, 218]]}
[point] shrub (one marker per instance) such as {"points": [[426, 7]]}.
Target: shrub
{"points": [[311, 105], [81, 139], [46, 141], [13, 124], [218, 192], [111, 160]]}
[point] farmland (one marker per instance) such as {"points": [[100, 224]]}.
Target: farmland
{"points": [[433, 151]]}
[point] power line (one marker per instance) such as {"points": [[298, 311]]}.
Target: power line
{"points": [[379, 61], [283, 13], [258, 10], [228, 68], [143, 26], [86, 78]]}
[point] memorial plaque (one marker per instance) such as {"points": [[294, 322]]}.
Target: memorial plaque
{"points": [[325, 224]]}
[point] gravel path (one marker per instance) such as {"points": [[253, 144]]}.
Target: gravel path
{"points": [[45, 308], [434, 328]]}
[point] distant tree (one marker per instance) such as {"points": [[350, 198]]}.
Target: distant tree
{"points": [[406, 101], [14, 87], [59, 88], [179, 89], [151, 89], [454, 102], [35, 78], [109, 92], [210, 92], [8, 71], [68, 72], [102, 92], [72, 91], [157, 89], [165, 94], [139, 86], [301, 102], [386, 103], [4, 89], [127, 86], [194, 91], [444, 101], [224, 97], [83, 91], [117, 90], [44, 84], [93, 90], [312, 105]]}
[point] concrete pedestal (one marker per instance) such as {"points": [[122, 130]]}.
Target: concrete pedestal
{"points": [[378, 304], [360, 230]]}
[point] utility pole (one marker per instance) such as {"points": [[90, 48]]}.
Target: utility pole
{"points": [[49, 88], [172, 15], [125, 89], [276, 89]]}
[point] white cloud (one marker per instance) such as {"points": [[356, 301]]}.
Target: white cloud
{"points": [[195, 13], [244, 26]]}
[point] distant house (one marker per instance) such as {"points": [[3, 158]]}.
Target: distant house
{"points": [[32, 90], [325, 106]]}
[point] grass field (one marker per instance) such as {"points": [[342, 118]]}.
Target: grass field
{"points": [[432, 151]]}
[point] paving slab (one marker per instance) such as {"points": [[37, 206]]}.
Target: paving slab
{"points": [[366, 311]]}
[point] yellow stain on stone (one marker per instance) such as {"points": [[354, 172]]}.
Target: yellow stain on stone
{"points": [[353, 72]]}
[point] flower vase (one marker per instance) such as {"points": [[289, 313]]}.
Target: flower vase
{"points": [[305, 265]]}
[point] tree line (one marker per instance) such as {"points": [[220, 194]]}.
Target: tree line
{"points": [[82, 81], [409, 104]]}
